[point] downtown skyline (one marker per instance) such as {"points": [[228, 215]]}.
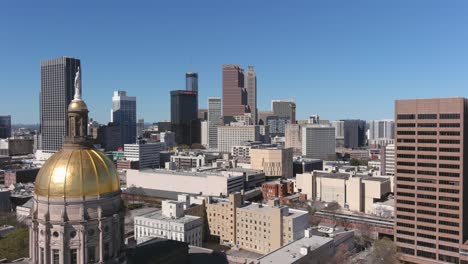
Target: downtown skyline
{"points": [[346, 62]]}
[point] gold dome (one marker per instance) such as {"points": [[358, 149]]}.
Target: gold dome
{"points": [[76, 172], [77, 105]]}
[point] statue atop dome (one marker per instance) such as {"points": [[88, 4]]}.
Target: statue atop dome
{"points": [[77, 85]]}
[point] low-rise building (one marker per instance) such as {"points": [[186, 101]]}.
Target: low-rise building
{"points": [[148, 154], [186, 160], [277, 189], [170, 223], [20, 176], [354, 192], [310, 249], [303, 165], [255, 227], [275, 162], [123, 164], [216, 183]]}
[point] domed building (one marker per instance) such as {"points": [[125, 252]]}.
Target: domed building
{"points": [[78, 214]]}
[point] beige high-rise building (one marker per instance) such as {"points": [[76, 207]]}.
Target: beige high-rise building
{"points": [[275, 162], [255, 227], [293, 138], [430, 193]]}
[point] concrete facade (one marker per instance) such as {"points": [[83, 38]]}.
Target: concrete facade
{"points": [[275, 162], [148, 154], [318, 141], [170, 223], [229, 136], [206, 183]]}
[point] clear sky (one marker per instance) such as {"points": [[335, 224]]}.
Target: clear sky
{"points": [[338, 59]]}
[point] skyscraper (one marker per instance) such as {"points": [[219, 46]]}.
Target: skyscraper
{"points": [[124, 116], [284, 108], [250, 82], [234, 93], [57, 91], [318, 141], [381, 131], [215, 119], [5, 126], [430, 189], [184, 119], [191, 81], [354, 133], [140, 127]]}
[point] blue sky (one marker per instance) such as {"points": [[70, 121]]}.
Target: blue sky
{"points": [[338, 59]]}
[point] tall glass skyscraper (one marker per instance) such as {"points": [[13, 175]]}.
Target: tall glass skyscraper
{"points": [[191, 81], [184, 118], [57, 91], [5, 126], [124, 116]]}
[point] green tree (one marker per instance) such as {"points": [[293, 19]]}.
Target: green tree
{"points": [[15, 245], [384, 252]]}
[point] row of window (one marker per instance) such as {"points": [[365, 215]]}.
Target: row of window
{"points": [[428, 133], [428, 125], [428, 116], [429, 205], [432, 149]]}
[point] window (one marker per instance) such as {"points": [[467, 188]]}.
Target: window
{"points": [[426, 254], [427, 165], [428, 189], [41, 255], [405, 171], [427, 116], [426, 236], [433, 205], [55, 256], [406, 140], [448, 248], [449, 124], [423, 172], [405, 179], [408, 251], [91, 254], [449, 149], [449, 116], [406, 132], [405, 217], [426, 196], [427, 133], [450, 207], [73, 256], [406, 156], [404, 163], [404, 240], [405, 194], [446, 231], [406, 125], [406, 148], [405, 202], [449, 133], [449, 141], [403, 186], [449, 166], [427, 157], [406, 116], [427, 149], [426, 212], [425, 244], [427, 125], [427, 141], [403, 232], [449, 174], [427, 220]]}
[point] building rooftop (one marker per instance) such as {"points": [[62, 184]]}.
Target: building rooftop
{"points": [[343, 176], [218, 173], [291, 253], [263, 208], [159, 216]]}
